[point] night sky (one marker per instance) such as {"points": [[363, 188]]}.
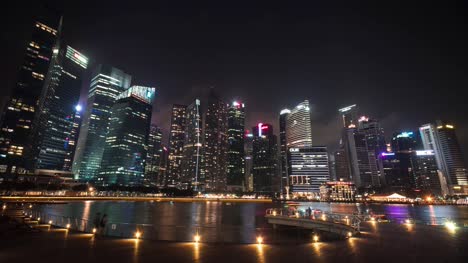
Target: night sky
{"points": [[404, 65]]}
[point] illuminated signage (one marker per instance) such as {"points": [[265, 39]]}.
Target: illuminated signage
{"points": [[285, 111], [145, 94], [404, 135], [387, 154], [363, 118], [449, 126], [76, 57], [294, 150], [260, 129], [425, 152], [345, 109]]}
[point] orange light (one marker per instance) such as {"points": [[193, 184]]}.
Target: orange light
{"points": [[259, 240], [316, 238], [94, 230], [137, 234], [68, 226], [197, 238]]}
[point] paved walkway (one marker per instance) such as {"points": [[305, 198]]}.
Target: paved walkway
{"points": [[391, 243]]}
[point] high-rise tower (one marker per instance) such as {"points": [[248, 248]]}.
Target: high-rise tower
{"points": [[283, 148], [176, 144], [54, 121], [107, 83], [192, 149], [153, 157], [236, 154], [215, 157], [298, 126], [265, 162], [123, 159], [18, 117]]}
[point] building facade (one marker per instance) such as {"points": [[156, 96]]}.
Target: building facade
{"points": [[153, 157], [176, 144], [216, 146], [264, 159], [192, 149], [236, 154], [309, 169], [54, 120], [425, 172], [18, 116], [107, 83], [283, 148], [123, 160], [298, 126]]}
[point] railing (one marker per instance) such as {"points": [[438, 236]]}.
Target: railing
{"points": [[208, 234], [317, 215]]}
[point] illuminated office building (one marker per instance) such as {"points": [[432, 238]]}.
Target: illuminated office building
{"points": [[106, 84], [442, 139], [265, 163], [308, 169], [125, 151], [215, 150], [298, 126], [236, 153], [283, 148], [73, 141], [341, 166], [20, 110], [349, 115], [176, 144], [192, 149], [424, 172], [54, 120], [248, 149], [153, 157]]}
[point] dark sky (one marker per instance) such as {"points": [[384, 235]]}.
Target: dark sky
{"points": [[404, 65]]}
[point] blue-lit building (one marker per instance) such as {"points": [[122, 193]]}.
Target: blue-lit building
{"points": [[125, 151], [308, 169]]}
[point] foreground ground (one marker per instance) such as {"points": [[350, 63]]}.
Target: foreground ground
{"points": [[402, 244]]}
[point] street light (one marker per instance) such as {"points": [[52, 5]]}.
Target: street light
{"points": [[137, 234], [197, 238], [259, 240], [316, 238]]}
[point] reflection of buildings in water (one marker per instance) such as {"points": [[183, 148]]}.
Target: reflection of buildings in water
{"points": [[87, 216], [432, 215]]}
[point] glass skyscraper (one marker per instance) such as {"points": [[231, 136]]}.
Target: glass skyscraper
{"points": [[265, 162], [18, 117], [153, 157], [54, 120], [176, 144], [106, 84], [298, 126], [192, 149], [123, 160], [215, 150], [236, 154], [283, 148]]}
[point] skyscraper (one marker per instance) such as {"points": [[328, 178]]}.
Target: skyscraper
{"points": [[283, 148], [123, 160], [298, 126], [349, 115], [248, 149], [107, 83], [424, 172], [74, 135], [375, 143], [192, 149], [176, 144], [265, 162], [153, 156], [342, 165], [309, 169], [215, 150], [18, 117], [236, 154], [452, 155], [60, 95]]}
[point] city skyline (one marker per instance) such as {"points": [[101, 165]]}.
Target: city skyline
{"points": [[327, 87]]}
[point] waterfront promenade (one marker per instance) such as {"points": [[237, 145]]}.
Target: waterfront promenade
{"points": [[392, 243], [30, 199]]}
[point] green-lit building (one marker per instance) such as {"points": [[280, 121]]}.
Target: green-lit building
{"points": [[106, 84], [125, 151]]}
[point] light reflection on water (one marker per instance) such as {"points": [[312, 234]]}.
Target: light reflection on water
{"points": [[236, 222]]}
